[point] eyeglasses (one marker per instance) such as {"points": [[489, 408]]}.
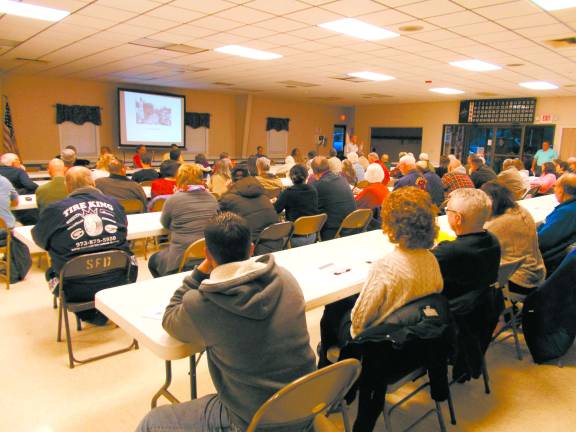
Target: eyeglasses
{"points": [[450, 210]]}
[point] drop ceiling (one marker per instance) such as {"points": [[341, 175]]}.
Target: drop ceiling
{"points": [[102, 40]]}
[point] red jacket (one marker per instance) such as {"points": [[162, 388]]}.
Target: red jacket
{"points": [[137, 161]]}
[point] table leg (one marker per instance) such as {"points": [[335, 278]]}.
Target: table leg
{"points": [[164, 389]]}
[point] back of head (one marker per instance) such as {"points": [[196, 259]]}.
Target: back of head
{"points": [[227, 238], [384, 158], [422, 166], [508, 163], [373, 157], [444, 161], [169, 168], [116, 167], [424, 157], [407, 163], [332, 152], [68, 156], [105, 150], [263, 165], [319, 165], [239, 173], [56, 167], [568, 184], [71, 147], [104, 161], [146, 159], [352, 157], [8, 159], [175, 154], [78, 177], [454, 163], [224, 155], [200, 158], [501, 197], [473, 204], [476, 161], [548, 168], [518, 164], [409, 218], [312, 154], [298, 174], [189, 174], [222, 167], [374, 173]]}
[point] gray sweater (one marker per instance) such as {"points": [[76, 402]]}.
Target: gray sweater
{"points": [[185, 214], [250, 315]]}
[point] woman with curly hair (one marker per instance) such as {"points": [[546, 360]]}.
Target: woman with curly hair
{"points": [[409, 271]]}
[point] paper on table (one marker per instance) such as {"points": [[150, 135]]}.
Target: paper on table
{"points": [[155, 313]]}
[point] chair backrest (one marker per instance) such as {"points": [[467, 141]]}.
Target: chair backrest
{"points": [[158, 205], [307, 397], [95, 264], [531, 192], [132, 206], [357, 220], [507, 270], [194, 251], [278, 231], [362, 184], [146, 183], [306, 225]]}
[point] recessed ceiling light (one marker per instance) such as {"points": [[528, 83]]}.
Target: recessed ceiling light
{"points": [[539, 85], [250, 53], [410, 28], [553, 5], [475, 65], [446, 91], [371, 76], [358, 29], [32, 11]]}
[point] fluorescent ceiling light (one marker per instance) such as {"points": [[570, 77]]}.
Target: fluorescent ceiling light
{"points": [[446, 91], [250, 53], [358, 29], [539, 85], [28, 10], [475, 65], [553, 5], [372, 76]]}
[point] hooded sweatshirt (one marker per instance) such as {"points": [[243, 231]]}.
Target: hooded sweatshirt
{"points": [[250, 315], [246, 198]]}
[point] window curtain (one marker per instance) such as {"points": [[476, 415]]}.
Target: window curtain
{"points": [[197, 120], [78, 114], [278, 124]]}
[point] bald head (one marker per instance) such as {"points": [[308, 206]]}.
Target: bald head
{"points": [[78, 177], [565, 187], [116, 167], [319, 165], [56, 168]]}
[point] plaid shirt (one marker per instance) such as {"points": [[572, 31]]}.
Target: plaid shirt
{"points": [[454, 180]]}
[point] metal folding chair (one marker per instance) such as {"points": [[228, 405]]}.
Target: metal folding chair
{"points": [[357, 220], [5, 250], [307, 225], [310, 398], [194, 251], [278, 231], [531, 192], [132, 206], [88, 266]]}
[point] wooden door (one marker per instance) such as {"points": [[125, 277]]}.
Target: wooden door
{"points": [[568, 143]]}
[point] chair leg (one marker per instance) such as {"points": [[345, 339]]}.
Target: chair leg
{"points": [[345, 417], [440, 417], [54, 301], [514, 326], [59, 334], [451, 408], [78, 324], [485, 376], [68, 337]]}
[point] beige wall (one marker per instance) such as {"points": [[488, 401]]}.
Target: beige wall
{"points": [[32, 101], [563, 111]]}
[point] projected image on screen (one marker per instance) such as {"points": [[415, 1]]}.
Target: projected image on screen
{"points": [[150, 118]]}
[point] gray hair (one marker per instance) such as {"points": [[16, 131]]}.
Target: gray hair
{"points": [[408, 159], [8, 159], [473, 204], [352, 157], [263, 164]]}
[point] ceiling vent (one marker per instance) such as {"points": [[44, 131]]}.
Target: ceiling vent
{"points": [[292, 84], [150, 43], [186, 49], [350, 79], [562, 43], [179, 68], [181, 48]]}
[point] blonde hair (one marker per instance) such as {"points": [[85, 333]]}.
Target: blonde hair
{"points": [[104, 161], [189, 174], [222, 167]]}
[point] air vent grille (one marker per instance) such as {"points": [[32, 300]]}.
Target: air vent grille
{"points": [[292, 83]]}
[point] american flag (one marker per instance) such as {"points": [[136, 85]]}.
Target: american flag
{"points": [[10, 145]]}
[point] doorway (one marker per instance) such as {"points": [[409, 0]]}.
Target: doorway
{"points": [[395, 140], [339, 137]]}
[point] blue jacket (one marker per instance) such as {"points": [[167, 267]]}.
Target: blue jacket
{"points": [[558, 232], [413, 178]]}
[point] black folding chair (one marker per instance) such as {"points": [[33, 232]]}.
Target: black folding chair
{"points": [[279, 232], [88, 266]]}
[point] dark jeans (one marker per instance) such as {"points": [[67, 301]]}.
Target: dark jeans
{"points": [[335, 327], [519, 289]]}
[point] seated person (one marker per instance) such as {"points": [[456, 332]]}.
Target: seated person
{"points": [[76, 162], [166, 156], [443, 166], [456, 178], [348, 172], [295, 157], [515, 230], [118, 186], [335, 197], [185, 215], [104, 150], [424, 157], [334, 162], [385, 159], [353, 158], [11, 168], [260, 152], [558, 232], [102, 166], [363, 160], [479, 172], [137, 158], [230, 303], [511, 178], [272, 185], [433, 183], [546, 180], [411, 176], [571, 164], [402, 275], [298, 200], [55, 189], [373, 158], [373, 195], [101, 225], [200, 159], [147, 173], [68, 156], [246, 197], [167, 182], [220, 177]]}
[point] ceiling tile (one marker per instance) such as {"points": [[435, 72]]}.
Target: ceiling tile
{"points": [[176, 14], [152, 22], [430, 8], [278, 7], [314, 16], [527, 21], [456, 19], [207, 7], [244, 15], [352, 8], [281, 24], [217, 24]]}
